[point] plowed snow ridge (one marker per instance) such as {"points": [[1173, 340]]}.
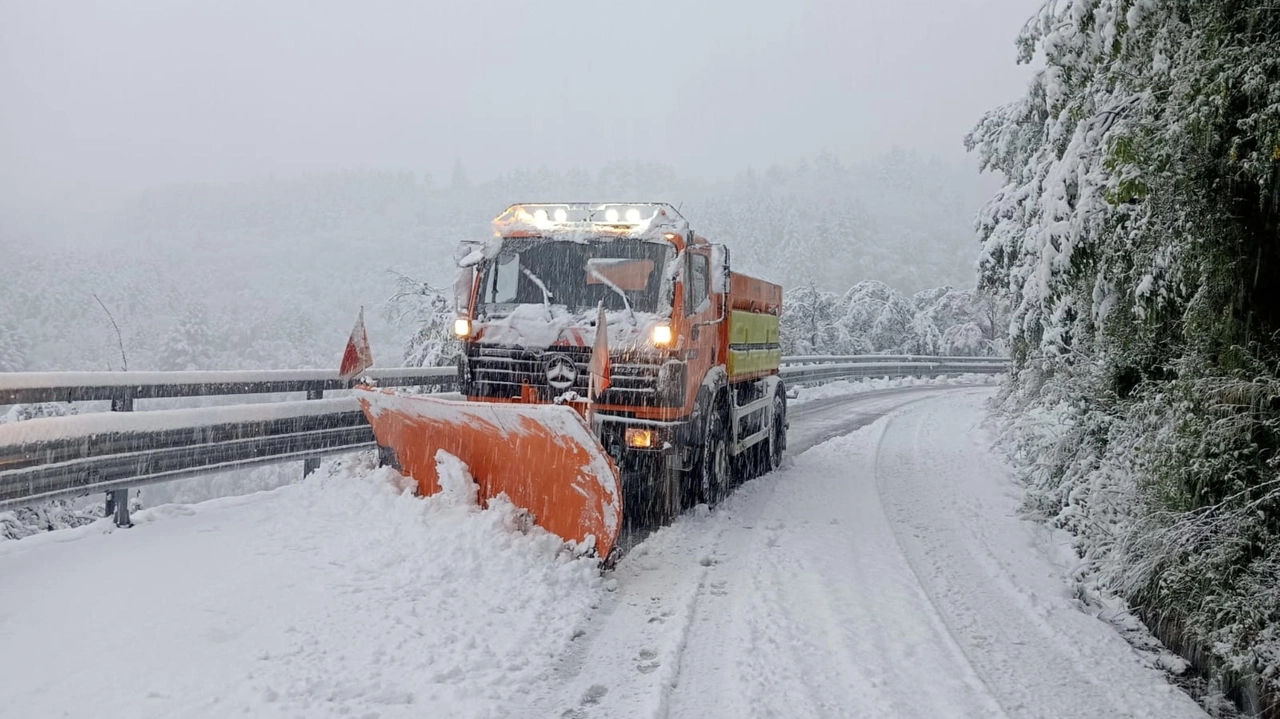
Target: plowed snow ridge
{"points": [[881, 574]]}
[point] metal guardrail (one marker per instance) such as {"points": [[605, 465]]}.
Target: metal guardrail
{"points": [[138, 462], [121, 387], [111, 452], [829, 359], [917, 367]]}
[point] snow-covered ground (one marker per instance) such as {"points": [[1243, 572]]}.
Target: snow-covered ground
{"points": [[338, 596], [882, 573]]}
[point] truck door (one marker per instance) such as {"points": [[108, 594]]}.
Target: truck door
{"points": [[702, 313]]}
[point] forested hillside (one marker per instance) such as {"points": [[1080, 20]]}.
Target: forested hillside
{"points": [[1138, 244], [271, 273]]}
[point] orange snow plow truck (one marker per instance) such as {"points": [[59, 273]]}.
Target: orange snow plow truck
{"points": [[616, 370]]}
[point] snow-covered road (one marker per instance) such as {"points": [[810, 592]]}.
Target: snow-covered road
{"points": [[880, 573]]}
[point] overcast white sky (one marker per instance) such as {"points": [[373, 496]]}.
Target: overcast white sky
{"points": [[131, 93]]}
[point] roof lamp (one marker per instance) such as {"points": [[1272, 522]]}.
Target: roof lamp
{"points": [[522, 220]]}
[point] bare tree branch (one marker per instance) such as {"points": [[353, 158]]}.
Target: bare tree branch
{"points": [[124, 361]]}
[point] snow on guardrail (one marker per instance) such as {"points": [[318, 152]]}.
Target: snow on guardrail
{"points": [[63, 456], [25, 387], [939, 359], [48, 429]]}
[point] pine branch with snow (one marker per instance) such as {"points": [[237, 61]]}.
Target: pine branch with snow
{"points": [[1136, 243]]}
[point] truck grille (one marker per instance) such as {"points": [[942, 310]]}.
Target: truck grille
{"points": [[501, 372]]}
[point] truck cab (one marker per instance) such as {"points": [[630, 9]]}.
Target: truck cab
{"points": [[692, 402]]}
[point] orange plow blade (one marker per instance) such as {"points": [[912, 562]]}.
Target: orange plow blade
{"points": [[543, 457]]}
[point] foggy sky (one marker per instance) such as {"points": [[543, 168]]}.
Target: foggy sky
{"points": [[133, 93]]}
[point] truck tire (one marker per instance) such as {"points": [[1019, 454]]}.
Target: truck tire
{"points": [[766, 455], [651, 494], [714, 470]]}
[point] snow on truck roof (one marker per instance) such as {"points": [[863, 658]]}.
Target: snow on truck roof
{"points": [[639, 220]]}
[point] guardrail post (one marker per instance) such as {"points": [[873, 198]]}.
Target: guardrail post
{"points": [[118, 499], [312, 464]]}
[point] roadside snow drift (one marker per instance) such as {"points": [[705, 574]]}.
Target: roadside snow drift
{"points": [[344, 595]]}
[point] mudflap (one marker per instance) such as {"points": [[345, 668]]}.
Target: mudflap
{"points": [[545, 458]]}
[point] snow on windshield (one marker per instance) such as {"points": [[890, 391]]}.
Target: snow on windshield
{"points": [[623, 274]]}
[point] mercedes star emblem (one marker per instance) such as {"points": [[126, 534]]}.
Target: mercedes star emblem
{"points": [[561, 371]]}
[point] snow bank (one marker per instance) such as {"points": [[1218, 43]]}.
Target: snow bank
{"points": [[457, 486], [344, 595]]}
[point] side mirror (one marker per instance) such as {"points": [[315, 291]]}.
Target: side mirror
{"points": [[721, 277], [469, 253], [463, 285]]}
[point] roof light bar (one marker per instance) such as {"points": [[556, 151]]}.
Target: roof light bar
{"points": [[607, 218]]}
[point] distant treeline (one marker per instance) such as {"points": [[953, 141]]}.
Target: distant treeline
{"points": [[271, 273]]}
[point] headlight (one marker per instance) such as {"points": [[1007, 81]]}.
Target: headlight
{"points": [[662, 335], [462, 327], [639, 438]]}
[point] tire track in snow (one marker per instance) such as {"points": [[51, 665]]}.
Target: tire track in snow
{"points": [[743, 629], [862, 579], [955, 643], [634, 654], [953, 510], [629, 659], [810, 624]]}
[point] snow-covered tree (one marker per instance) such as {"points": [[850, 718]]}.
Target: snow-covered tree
{"points": [[923, 336], [953, 322], [1137, 244], [429, 313], [964, 340], [189, 344], [48, 515], [872, 317], [876, 316], [809, 322], [458, 180], [13, 349], [44, 517]]}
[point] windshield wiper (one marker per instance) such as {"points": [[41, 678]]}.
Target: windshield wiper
{"points": [[546, 294], [625, 303]]}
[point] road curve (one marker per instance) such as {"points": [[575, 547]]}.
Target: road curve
{"points": [[881, 574]]}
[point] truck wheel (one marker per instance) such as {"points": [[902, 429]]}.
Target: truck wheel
{"points": [[651, 494], [777, 435], [714, 470]]}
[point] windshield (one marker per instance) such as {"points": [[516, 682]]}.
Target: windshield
{"points": [[623, 274]]}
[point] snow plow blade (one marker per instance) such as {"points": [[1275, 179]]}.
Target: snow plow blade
{"points": [[544, 457]]}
